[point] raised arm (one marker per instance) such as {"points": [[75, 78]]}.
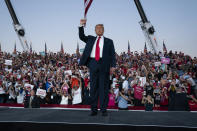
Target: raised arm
{"points": [[82, 36]]}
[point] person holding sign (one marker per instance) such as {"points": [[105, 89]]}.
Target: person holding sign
{"points": [[99, 57]]}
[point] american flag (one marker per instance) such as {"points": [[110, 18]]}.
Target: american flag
{"points": [[87, 4], [45, 48], [145, 48], [164, 48], [62, 48], [45, 56], [129, 48]]}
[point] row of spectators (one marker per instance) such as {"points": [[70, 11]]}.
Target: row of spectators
{"points": [[140, 79]]}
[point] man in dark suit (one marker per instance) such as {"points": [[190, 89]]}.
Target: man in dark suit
{"points": [[99, 57], [31, 100]]}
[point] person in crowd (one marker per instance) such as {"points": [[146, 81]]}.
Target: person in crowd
{"points": [[164, 97], [77, 91], [12, 95], [157, 95], [130, 94], [50, 74], [138, 92], [180, 100], [122, 100], [52, 95], [64, 99], [148, 102], [2, 93], [65, 96], [172, 92], [31, 100], [112, 98], [20, 91]]}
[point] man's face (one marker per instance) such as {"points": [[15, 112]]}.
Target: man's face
{"points": [[99, 29], [32, 93]]}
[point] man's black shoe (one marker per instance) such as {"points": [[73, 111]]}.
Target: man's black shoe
{"points": [[104, 113], [93, 113]]}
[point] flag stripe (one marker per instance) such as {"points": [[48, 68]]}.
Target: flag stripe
{"points": [[87, 4], [164, 47], [145, 48]]}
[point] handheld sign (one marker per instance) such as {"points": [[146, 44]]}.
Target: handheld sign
{"points": [[41, 92], [8, 62], [165, 60]]}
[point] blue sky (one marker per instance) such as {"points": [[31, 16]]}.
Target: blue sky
{"points": [[53, 21]]}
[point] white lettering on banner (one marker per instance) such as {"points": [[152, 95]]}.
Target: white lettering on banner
{"points": [[41, 92], [8, 62], [69, 72], [157, 63]]}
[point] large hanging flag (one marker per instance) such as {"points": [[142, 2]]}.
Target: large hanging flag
{"points": [[87, 4], [164, 48], [145, 48], [129, 48], [62, 48]]}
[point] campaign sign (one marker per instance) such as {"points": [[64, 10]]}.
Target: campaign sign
{"points": [[165, 60], [157, 63], [8, 62], [41, 92]]}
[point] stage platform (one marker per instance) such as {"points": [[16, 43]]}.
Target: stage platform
{"points": [[20, 119]]}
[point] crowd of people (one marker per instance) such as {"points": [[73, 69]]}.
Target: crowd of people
{"points": [[140, 79]]}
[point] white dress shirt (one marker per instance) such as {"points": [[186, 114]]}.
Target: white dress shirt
{"points": [[101, 42]]}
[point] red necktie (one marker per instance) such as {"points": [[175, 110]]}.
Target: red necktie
{"points": [[97, 53]]}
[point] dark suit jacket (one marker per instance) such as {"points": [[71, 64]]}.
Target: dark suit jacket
{"points": [[34, 104], [108, 57], [179, 102]]}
